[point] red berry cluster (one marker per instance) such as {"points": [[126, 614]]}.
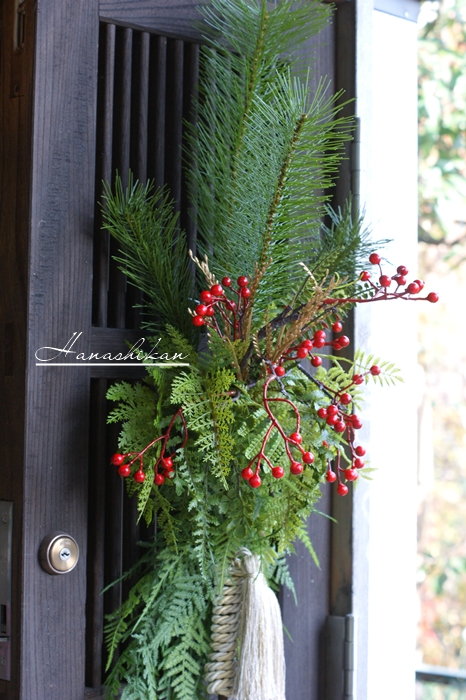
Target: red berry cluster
{"points": [[411, 288], [303, 350], [339, 417], [293, 440], [163, 467], [231, 311], [349, 473]]}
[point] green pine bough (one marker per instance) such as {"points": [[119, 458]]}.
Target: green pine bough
{"points": [[231, 452]]}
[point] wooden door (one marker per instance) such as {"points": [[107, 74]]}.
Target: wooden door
{"points": [[86, 88]]}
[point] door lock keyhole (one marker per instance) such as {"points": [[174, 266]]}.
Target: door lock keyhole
{"points": [[58, 553]]}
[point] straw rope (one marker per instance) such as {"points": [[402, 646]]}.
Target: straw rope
{"points": [[220, 671]]}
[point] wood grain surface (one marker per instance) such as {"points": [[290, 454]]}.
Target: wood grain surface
{"points": [[59, 302], [170, 18], [16, 80]]}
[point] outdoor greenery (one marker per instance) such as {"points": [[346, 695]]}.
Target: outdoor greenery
{"points": [[442, 152], [442, 126]]}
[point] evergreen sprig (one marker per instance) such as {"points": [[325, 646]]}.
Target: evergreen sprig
{"points": [[153, 251], [266, 149]]}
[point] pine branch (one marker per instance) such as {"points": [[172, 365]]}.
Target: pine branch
{"points": [[153, 250]]}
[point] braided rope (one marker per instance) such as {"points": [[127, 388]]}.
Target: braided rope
{"points": [[220, 670]]}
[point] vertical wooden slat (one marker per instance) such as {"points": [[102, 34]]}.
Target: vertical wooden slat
{"points": [[131, 536], [123, 72], [121, 148], [174, 119], [104, 170], [139, 145], [191, 78], [341, 581], [113, 564], [157, 93], [98, 460], [143, 104], [109, 78]]}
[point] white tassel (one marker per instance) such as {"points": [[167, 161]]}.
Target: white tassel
{"points": [[247, 620], [261, 668]]}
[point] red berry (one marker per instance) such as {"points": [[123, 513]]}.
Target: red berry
{"points": [[350, 474], [358, 463], [216, 290], [420, 284], [340, 426], [302, 353], [316, 361], [307, 344], [296, 468], [332, 410], [331, 420], [358, 379], [210, 311], [205, 296], [330, 476], [336, 345], [413, 288], [365, 276], [402, 270], [385, 281], [374, 258], [124, 470], [159, 479], [242, 281], [344, 341], [167, 462], [280, 371], [201, 309], [319, 343], [296, 437], [255, 481], [198, 320], [230, 305], [342, 490], [356, 422], [433, 297], [375, 370], [139, 476], [117, 459], [226, 281], [308, 458], [360, 451], [277, 472], [322, 413], [400, 280], [247, 473], [325, 444], [337, 327], [245, 292], [320, 334], [345, 399]]}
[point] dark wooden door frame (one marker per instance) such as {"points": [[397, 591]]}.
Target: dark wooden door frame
{"points": [[46, 222]]}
